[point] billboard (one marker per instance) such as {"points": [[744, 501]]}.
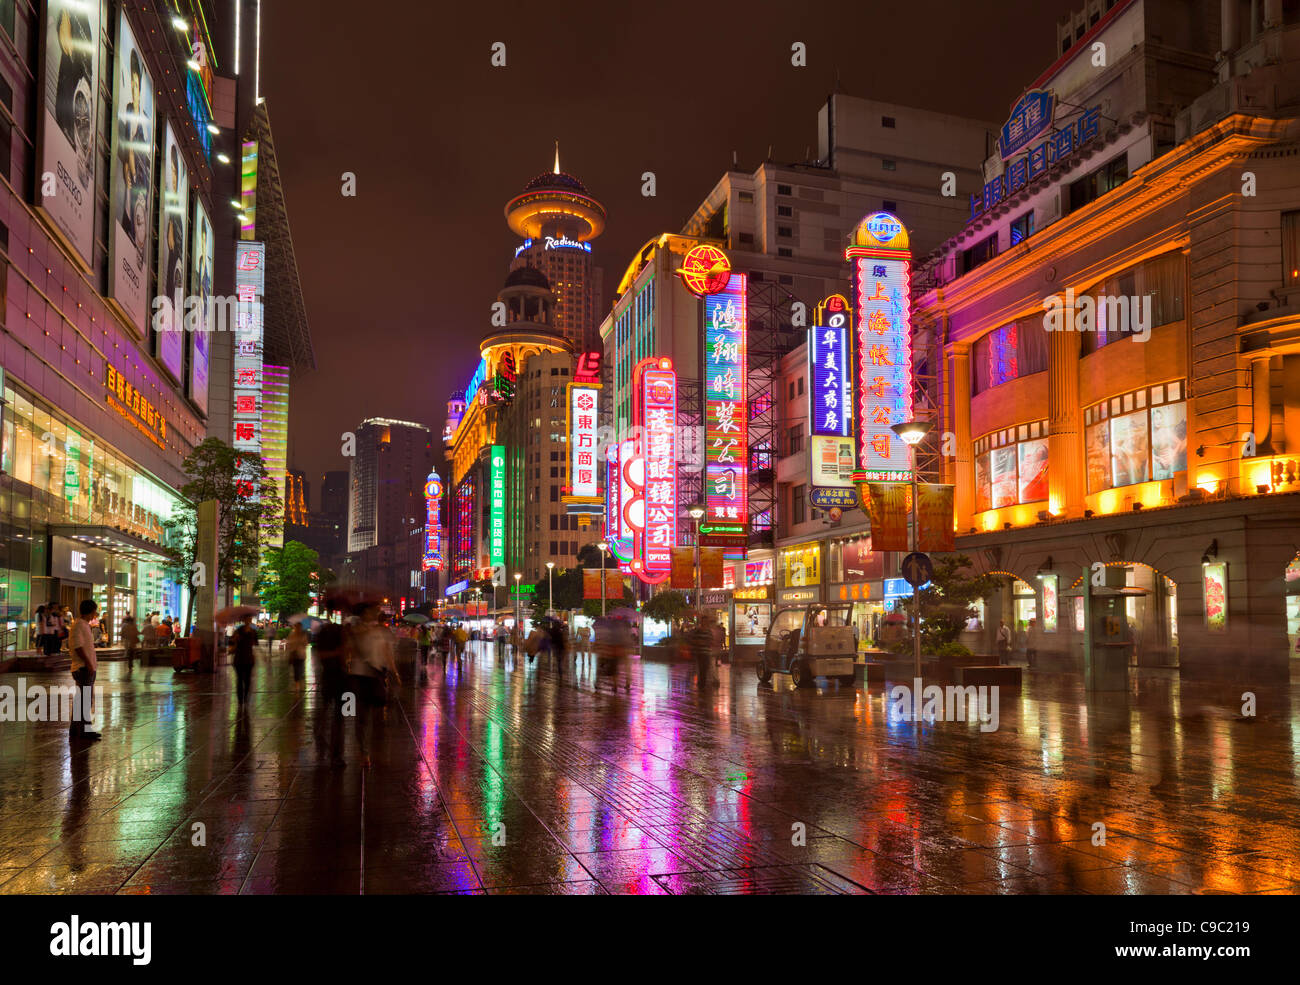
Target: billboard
{"points": [[248, 396], [201, 288], [882, 277], [497, 507], [131, 185], [583, 417], [726, 415], [655, 413], [173, 252], [887, 507], [68, 123], [830, 370]]}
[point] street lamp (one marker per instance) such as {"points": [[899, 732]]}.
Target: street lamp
{"points": [[550, 592], [911, 432], [603, 548], [696, 512], [518, 629]]}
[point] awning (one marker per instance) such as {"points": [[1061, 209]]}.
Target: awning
{"points": [[111, 540]]}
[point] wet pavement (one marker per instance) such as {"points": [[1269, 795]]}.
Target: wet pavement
{"points": [[493, 779]]}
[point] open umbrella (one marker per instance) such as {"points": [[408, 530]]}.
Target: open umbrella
{"points": [[308, 622], [232, 613], [416, 618]]}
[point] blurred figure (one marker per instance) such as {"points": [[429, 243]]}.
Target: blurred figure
{"points": [[150, 633], [445, 645], [165, 635], [84, 667], [370, 667], [459, 638], [331, 651], [297, 649], [1004, 642], [700, 643], [244, 641], [500, 636], [719, 641], [423, 642], [53, 629], [130, 640]]}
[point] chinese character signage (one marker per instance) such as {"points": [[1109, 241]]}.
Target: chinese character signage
{"points": [[250, 281], [497, 511], [882, 277], [583, 416], [656, 414], [830, 373], [432, 560], [726, 413], [135, 407], [463, 537], [617, 533], [1030, 118], [1031, 115]]}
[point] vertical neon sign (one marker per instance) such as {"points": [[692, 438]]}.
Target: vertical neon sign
{"points": [[655, 412], [432, 520], [497, 507], [882, 277], [726, 427]]}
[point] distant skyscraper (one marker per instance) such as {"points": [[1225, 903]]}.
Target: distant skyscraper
{"points": [[386, 482], [558, 219], [334, 492]]}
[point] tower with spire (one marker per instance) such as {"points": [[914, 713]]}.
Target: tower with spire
{"points": [[556, 219]]}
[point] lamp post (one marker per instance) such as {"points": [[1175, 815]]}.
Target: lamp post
{"points": [[912, 432], [603, 548], [696, 512], [550, 592], [518, 629]]}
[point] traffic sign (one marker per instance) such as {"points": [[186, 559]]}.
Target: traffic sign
{"points": [[918, 569]]}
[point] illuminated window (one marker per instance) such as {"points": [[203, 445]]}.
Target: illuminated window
{"points": [[1110, 175], [1124, 446], [1008, 353], [1011, 467], [1022, 228]]}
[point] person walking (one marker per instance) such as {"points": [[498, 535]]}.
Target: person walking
{"points": [[423, 642], [1004, 642], [559, 643], [1031, 643], [245, 642], [331, 652], [130, 640], [85, 666], [297, 650], [718, 641], [54, 629], [459, 638], [370, 667], [700, 643]]}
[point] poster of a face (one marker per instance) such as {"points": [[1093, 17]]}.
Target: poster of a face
{"points": [[1033, 470], [1003, 469], [173, 249], [1098, 448], [201, 288], [68, 120], [1128, 449], [132, 179], [1168, 440], [983, 486]]}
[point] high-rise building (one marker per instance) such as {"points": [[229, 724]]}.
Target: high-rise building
{"points": [[334, 493], [386, 480], [558, 218]]}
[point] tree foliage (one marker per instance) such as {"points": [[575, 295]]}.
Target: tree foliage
{"points": [[666, 607], [291, 579], [947, 603]]}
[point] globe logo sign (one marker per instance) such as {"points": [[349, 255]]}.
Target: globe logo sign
{"points": [[705, 270], [883, 226]]}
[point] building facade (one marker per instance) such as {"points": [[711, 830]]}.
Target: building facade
{"points": [[1117, 323]]}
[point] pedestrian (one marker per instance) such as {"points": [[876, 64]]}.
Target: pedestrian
{"points": [[165, 632], [150, 634], [559, 642], [700, 645], [84, 668], [245, 642], [423, 642], [719, 640], [370, 667], [331, 651], [54, 629], [459, 639], [297, 649], [1031, 643], [39, 627], [584, 639], [130, 640], [1004, 642], [500, 636]]}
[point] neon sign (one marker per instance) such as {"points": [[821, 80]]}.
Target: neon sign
{"points": [[497, 514], [527, 244], [655, 412], [588, 369], [726, 427], [705, 270], [432, 560], [882, 278], [1059, 146], [464, 536], [618, 492], [564, 243], [583, 414], [830, 370]]}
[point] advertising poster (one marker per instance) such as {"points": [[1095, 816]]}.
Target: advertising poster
{"points": [[760, 572], [1098, 449], [752, 623], [1002, 463], [1050, 602], [68, 120], [201, 288], [173, 253], [613, 584], [591, 583], [711, 565], [887, 508], [831, 461], [1168, 440], [801, 566], [935, 510], [131, 202], [983, 485], [1033, 470], [1129, 454], [1214, 583], [683, 568], [861, 563]]}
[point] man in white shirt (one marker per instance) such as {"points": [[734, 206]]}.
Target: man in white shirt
{"points": [[81, 644]]}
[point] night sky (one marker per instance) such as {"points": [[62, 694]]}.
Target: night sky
{"points": [[398, 281]]}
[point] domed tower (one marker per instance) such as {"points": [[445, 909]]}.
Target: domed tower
{"points": [[530, 311], [557, 218], [455, 411]]}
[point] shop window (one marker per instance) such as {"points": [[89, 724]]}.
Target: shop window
{"points": [[1139, 437], [1008, 353], [1011, 467]]}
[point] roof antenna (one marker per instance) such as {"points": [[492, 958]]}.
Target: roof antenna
{"points": [[557, 156]]}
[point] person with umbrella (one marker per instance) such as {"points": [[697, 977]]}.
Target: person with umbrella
{"points": [[245, 643]]}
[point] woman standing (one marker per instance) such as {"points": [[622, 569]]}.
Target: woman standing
{"points": [[296, 645]]}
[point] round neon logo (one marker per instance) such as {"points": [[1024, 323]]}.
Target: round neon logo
{"points": [[883, 226], [705, 270]]}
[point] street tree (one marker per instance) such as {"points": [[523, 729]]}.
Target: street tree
{"points": [[947, 604], [291, 579]]}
